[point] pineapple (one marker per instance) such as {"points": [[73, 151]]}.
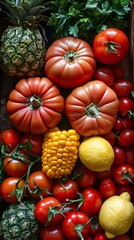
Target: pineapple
{"points": [[22, 43], [18, 222]]}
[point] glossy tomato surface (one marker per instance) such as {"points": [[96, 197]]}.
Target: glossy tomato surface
{"points": [[35, 105], [69, 62], [91, 108], [110, 46]]}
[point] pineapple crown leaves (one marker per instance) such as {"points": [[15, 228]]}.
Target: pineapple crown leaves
{"points": [[26, 12]]}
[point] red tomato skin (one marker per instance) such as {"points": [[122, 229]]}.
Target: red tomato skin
{"points": [[11, 138], [100, 236], [42, 181], [69, 71], [122, 88], [118, 124], [67, 190], [82, 112], [87, 177], [8, 186], [122, 237], [14, 167], [110, 137], [125, 188], [35, 105], [104, 74], [107, 188], [107, 173], [52, 233], [102, 42], [42, 211], [129, 155], [119, 155], [118, 71], [92, 201], [95, 227], [125, 105], [128, 123], [126, 138], [71, 221], [34, 143], [122, 173]]}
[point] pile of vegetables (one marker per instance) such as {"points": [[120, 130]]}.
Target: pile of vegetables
{"points": [[82, 93]]}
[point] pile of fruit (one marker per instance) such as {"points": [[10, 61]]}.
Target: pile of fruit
{"points": [[67, 162]]}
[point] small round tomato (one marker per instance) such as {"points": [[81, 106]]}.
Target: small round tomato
{"points": [[125, 105], [104, 74], [118, 71], [32, 143], [92, 201], [126, 138], [95, 227], [129, 155], [128, 123], [85, 177], [66, 190], [122, 237], [124, 174], [39, 184], [8, 186], [119, 155], [122, 87], [76, 224], [110, 137], [125, 188], [118, 124], [14, 167], [107, 173], [11, 138], [52, 233], [107, 188], [47, 211], [100, 236], [110, 46]]}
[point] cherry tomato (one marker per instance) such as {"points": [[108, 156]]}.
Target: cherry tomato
{"points": [[71, 207], [107, 188], [124, 174], [47, 211], [74, 224], [67, 190], [92, 201], [107, 173], [128, 123], [129, 155], [117, 70], [100, 236], [125, 188], [104, 74], [122, 237], [95, 227], [33, 143], [89, 238], [126, 138], [14, 167], [39, 184], [86, 177], [122, 88], [8, 186], [52, 233], [118, 124], [119, 155], [110, 137], [11, 138], [125, 105]]}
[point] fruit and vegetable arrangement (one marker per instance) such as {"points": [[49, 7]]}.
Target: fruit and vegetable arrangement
{"points": [[67, 159]]}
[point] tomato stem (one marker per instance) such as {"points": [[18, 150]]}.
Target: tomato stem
{"points": [[34, 102], [92, 110], [112, 47], [71, 56]]}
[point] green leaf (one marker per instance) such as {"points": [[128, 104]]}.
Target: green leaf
{"points": [[74, 30]]}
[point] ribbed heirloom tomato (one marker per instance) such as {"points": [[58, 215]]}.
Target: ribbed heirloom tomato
{"points": [[35, 105], [92, 108], [69, 62]]}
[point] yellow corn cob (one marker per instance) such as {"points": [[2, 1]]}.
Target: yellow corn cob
{"points": [[59, 152]]}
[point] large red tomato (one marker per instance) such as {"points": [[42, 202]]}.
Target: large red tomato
{"points": [[92, 108], [69, 62], [35, 105], [110, 46]]}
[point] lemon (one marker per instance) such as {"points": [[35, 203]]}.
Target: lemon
{"points": [[116, 215], [96, 153]]}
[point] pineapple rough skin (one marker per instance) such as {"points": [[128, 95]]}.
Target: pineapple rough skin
{"points": [[18, 222]]}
